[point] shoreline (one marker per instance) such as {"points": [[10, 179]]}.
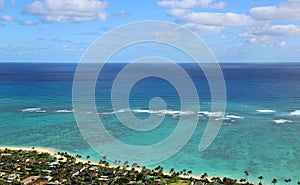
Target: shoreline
{"points": [[54, 152], [51, 151]]}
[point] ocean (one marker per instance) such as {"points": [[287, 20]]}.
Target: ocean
{"points": [[260, 131]]}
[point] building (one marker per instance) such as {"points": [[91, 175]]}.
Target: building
{"points": [[12, 177]]}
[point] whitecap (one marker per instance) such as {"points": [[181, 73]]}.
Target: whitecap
{"points": [[169, 112], [173, 113], [280, 121], [187, 112], [141, 111], [104, 113], [164, 112], [234, 117], [265, 111], [210, 113], [113, 112], [38, 110], [119, 111], [296, 112], [64, 111]]}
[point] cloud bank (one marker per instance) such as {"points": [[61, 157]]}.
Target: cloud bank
{"points": [[259, 24], [66, 11], [289, 10]]}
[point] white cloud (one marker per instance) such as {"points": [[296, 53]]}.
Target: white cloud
{"points": [[69, 48], [205, 22], [3, 45], [281, 30], [289, 10], [271, 33], [102, 16], [204, 29], [254, 38], [122, 14], [69, 10], [13, 1], [276, 30], [28, 23], [218, 19], [7, 18], [167, 36], [176, 12], [282, 44], [217, 5], [184, 4]]}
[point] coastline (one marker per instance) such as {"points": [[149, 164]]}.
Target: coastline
{"points": [[54, 152], [51, 151]]}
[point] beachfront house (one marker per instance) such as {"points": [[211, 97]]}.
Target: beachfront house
{"points": [[10, 178]]}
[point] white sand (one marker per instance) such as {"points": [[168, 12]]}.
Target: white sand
{"points": [[39, 149], [51, 151]]}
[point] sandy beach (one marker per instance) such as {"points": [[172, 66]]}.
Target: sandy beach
{"points": [[51, 151], [38, 149]]}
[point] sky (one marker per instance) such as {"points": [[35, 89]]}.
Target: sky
{"points": [[235, 31]]}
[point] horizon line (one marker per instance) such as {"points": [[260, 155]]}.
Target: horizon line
{"points": [[118, 62]]}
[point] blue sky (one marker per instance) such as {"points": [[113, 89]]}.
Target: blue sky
{"points": [[236, 31]]}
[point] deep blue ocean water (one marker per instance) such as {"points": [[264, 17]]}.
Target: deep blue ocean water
{"points": [[260, 135]]}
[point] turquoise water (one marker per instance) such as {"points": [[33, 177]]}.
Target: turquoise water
{"points": [[260, 133]]}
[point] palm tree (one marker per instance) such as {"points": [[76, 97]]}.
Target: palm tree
{"points": [[160, 171], [184, 172], [286, 180], [242, 180], [260, 178], [134, 165], [246, 174], [274, 181], [204, 176], [298, 182], [157, 168], [216, 179], [172, 171]]}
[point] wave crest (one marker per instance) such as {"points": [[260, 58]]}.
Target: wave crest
{"points": [[37, 110], [280, 121], [296, 112], [265, 111]]}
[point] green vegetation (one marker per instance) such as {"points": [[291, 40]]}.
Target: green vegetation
{"points": [[33, 168]]}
